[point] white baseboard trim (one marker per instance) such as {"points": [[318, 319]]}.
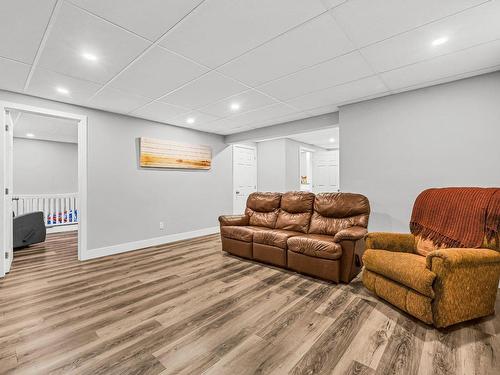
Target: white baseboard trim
{"points": [[141, 244]]}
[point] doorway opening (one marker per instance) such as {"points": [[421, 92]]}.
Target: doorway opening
{"points": [[300, 162], [306, 166], [44, 173]]}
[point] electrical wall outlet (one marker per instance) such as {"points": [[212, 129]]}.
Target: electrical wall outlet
{"points": [[162, 225]]}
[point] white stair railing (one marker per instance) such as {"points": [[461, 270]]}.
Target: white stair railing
{"points": [[58, 209]]}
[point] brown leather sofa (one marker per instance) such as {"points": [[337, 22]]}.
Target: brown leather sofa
{"points": [[320, 235]]}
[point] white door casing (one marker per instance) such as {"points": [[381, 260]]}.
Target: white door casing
{"points": [[326, 171], [8, 252], [244, 176], [6, 178]]}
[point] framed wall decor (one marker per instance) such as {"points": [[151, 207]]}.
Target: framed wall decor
{"points": [[158, 153]]}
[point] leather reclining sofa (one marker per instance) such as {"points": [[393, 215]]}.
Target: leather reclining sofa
{"points": [[319, 235]]}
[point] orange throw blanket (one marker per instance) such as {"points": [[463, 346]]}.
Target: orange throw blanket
{"points": [[457, 217]]}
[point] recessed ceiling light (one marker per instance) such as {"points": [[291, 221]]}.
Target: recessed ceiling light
{"points": [[331, 140], [89, 56], [439, 41], [62, 90], [31, 135], [235, 106], [190, 120]]}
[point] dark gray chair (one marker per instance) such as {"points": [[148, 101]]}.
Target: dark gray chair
{"points": [[29, 229]]}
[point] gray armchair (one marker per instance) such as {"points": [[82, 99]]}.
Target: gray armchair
{"points": [[29, 229]]}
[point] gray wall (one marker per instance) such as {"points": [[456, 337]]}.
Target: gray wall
{"points": [[45, 167], [271, 165], [133, 200], [396, 146], [278, 165], [292, 169]]}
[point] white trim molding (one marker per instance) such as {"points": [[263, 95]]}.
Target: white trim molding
{"points": [[141, 244], [82, 168]]}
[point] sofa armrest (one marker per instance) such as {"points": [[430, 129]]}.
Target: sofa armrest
{"points": [[226, 220], [401, 242], [353, 233], [466, 283]]}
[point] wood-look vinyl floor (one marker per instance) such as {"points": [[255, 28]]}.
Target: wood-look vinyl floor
{"points": [[187, 308]]}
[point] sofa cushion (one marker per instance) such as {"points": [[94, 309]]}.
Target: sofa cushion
{"points": [[264, 202], [405, 268], [262, 209], [296, 202], [242, 233], [295, 211], [315, 245], [297, 222], [336, 211], [274, 237]]}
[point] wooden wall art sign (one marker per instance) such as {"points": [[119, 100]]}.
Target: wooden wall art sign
{"points": [[158, 153]]}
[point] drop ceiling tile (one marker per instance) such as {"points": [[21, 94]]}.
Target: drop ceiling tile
{"points": [[160, 112], [22, 27], [45, 83], [205, 90], [200, 119], [156, 73], [461, 30], [248, 100], [262, 114], [281, 119], [369, 21], [340, 94], [13, 75], [117, 101], [330, 73], [472, 59], [318, 40], [148, 18], [76, 32], [224, 126], [333, 3], [322, 110], [218, 31]]}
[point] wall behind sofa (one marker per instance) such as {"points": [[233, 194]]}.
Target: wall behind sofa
{"points": [[278, 164], [126, 203], [396, 146]]}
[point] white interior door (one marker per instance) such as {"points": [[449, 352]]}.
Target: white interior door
{"points": [[244, 176], [326, 171], [8, 177]]}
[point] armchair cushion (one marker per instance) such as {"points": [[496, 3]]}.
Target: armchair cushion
{"points": [[352, 233], [226, 220], [400, 242], [407, 269]]}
